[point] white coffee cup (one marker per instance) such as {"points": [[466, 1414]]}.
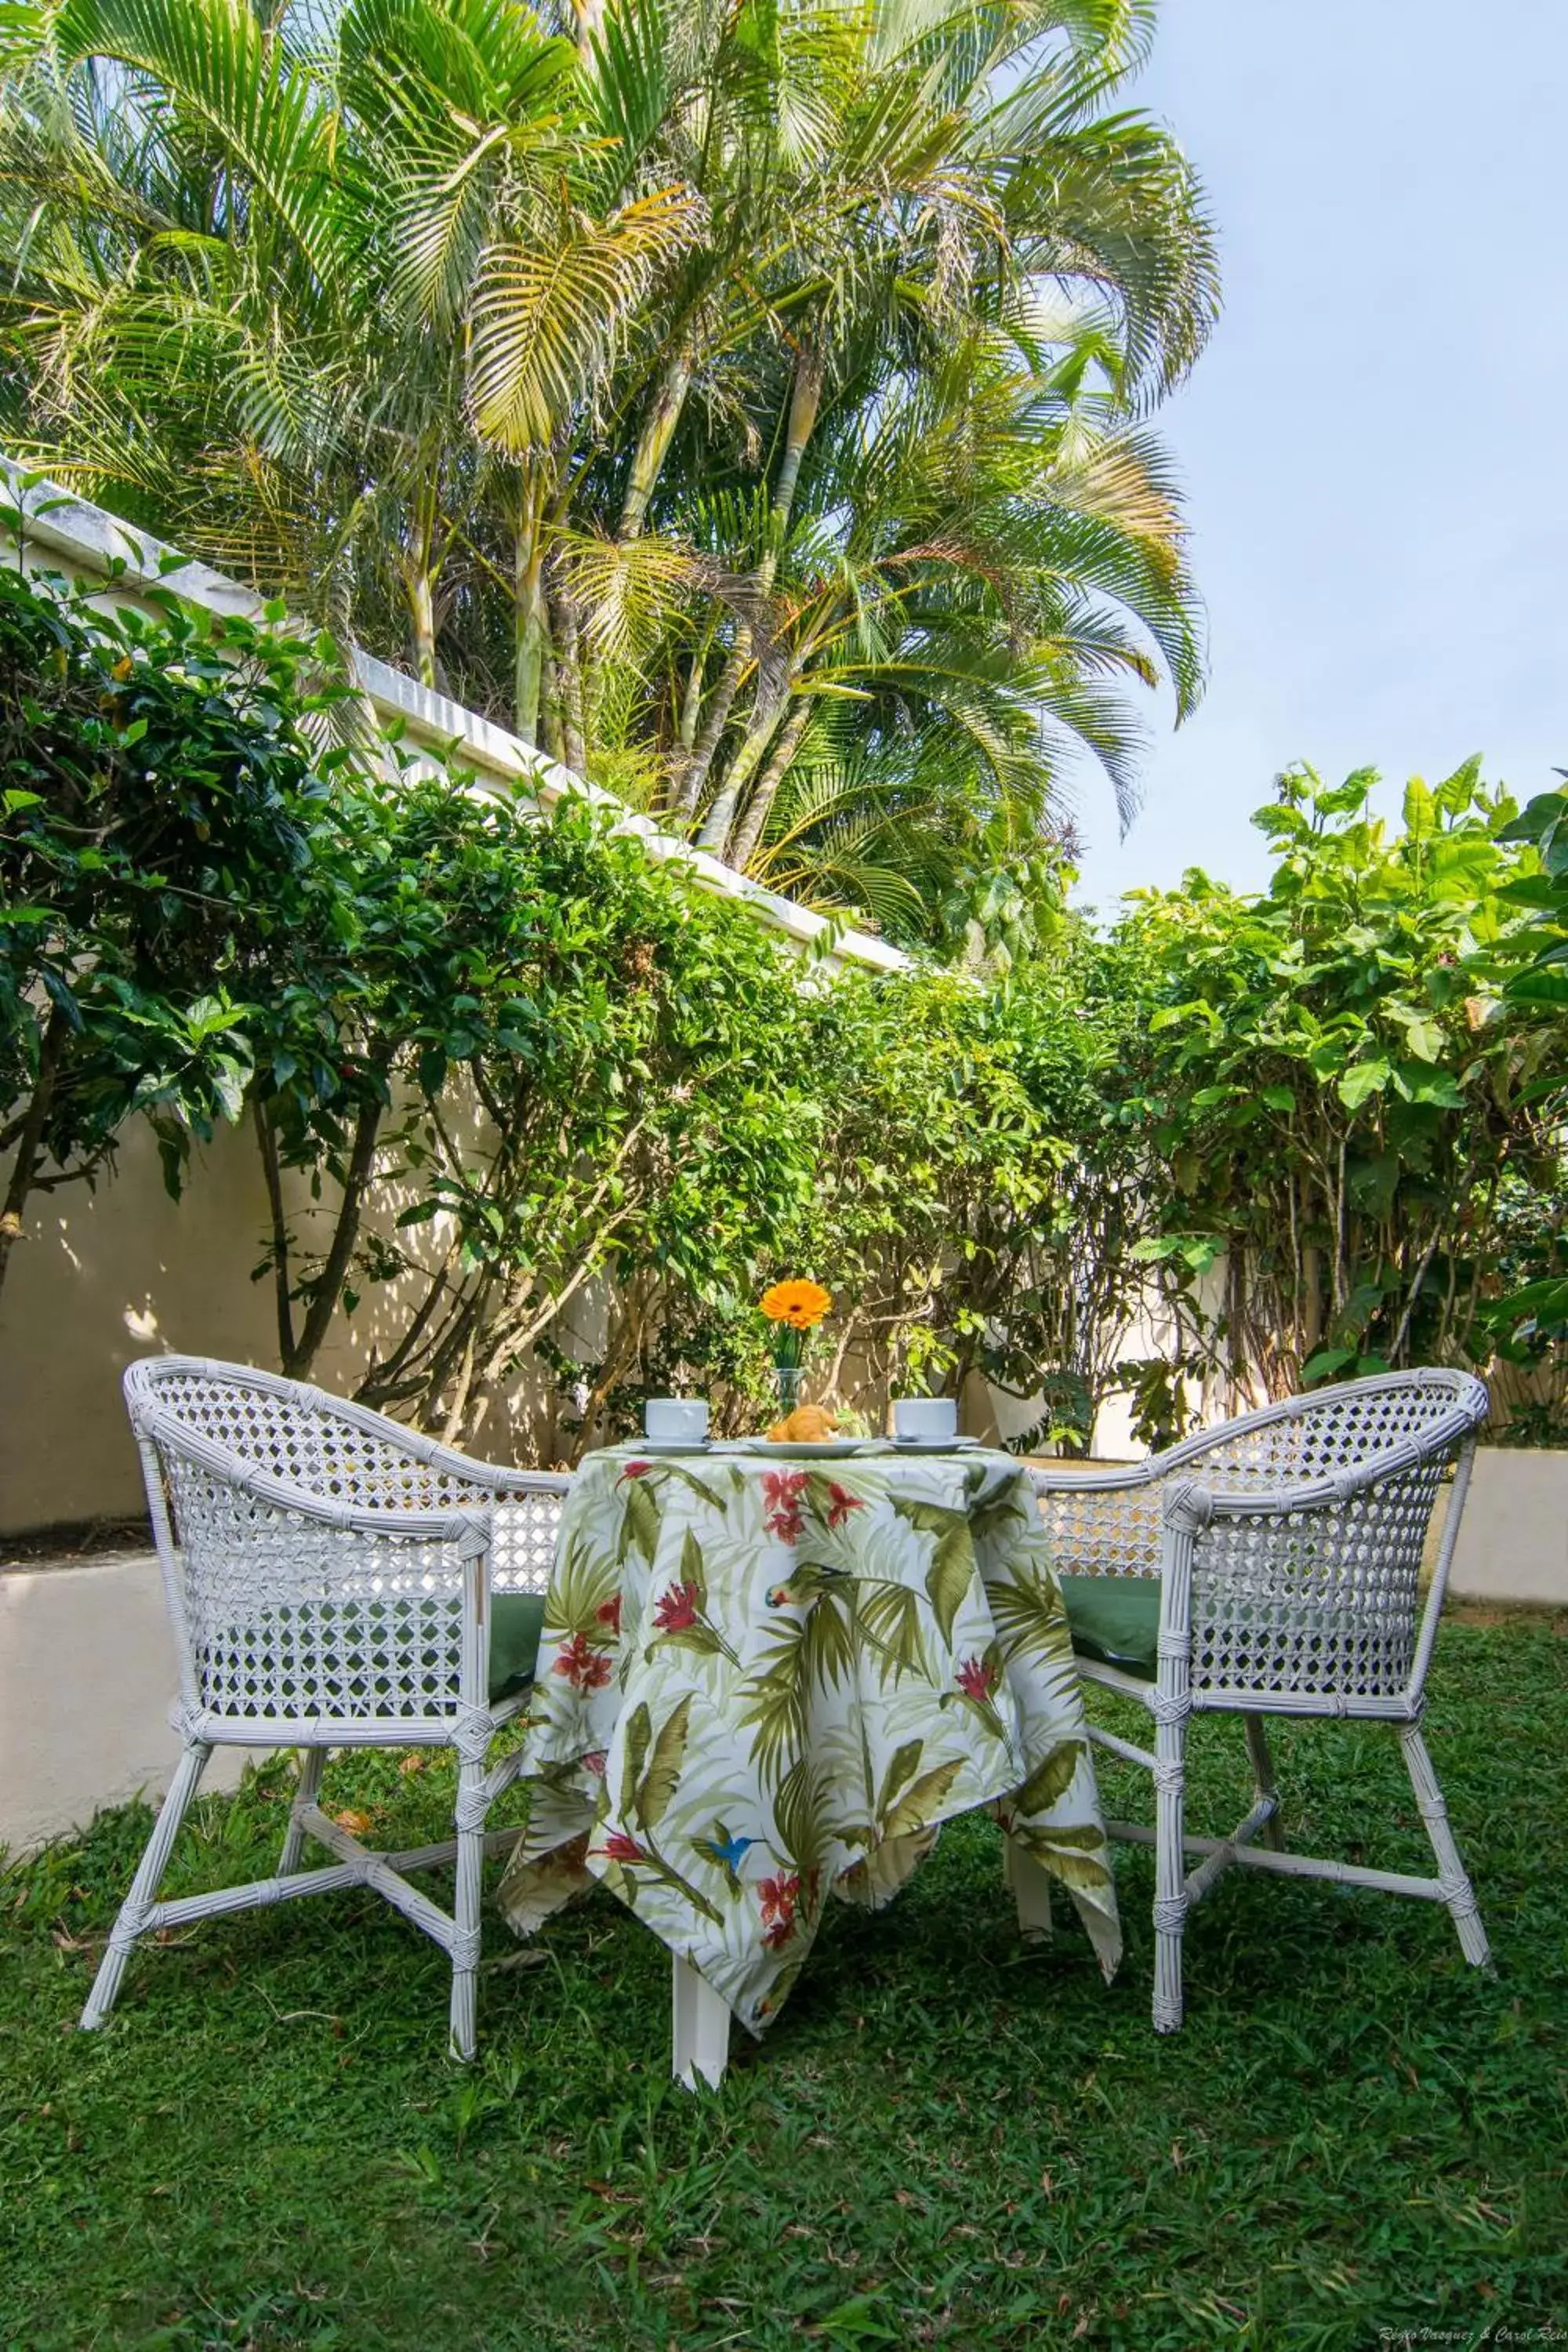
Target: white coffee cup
{"points": [[925, 1418], [681, 1421]]}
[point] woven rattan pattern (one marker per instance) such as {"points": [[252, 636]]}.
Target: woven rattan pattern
{"points": [[328, 1577], [286, 1617], [1325, 1602], [1289, 1549]]}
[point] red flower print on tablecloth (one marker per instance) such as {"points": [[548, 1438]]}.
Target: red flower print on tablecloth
{"points": [[976, 1678], [782, 1494], [676, 1610], [608, 1613], [841, 1503], [778, 1897], [637, 1469], [618, 1847], [585, 1668], [595, 1763]]}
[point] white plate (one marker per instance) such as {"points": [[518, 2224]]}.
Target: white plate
{"points": [[825, 1449], [937, 1444]]}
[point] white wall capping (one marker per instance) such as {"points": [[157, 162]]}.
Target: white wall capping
{"points": [[91, 541]]}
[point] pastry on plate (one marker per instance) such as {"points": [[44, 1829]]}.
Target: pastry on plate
{"points": [[808, 1424]]}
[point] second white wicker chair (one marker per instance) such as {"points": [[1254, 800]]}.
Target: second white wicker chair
{"points": [[1272, 1567], [333, 1581]]}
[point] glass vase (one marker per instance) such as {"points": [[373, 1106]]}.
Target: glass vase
{"points": [[789, 1377]]}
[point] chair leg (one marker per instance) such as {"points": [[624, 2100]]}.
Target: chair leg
{"points": [[1263, 1778], [312, 1763], [129, 1925], [1170, 1871], [472, 1809], [1458, 1893]]}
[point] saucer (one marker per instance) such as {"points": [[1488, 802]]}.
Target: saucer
{"points": [[937, 1444], [673, 1444]]}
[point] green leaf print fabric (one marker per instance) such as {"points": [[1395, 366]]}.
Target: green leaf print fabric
{"points": [[761, 1682]]}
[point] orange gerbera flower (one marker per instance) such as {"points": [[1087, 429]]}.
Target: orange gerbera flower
{"points": [[802, 1305]]}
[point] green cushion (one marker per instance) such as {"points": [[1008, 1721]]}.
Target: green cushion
{"points": [[516, 1621], [1115, 1619]]}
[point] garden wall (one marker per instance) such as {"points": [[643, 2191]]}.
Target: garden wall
{"points": [[123, 1271]]}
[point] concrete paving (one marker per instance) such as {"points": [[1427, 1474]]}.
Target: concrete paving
{"points": [[87, 1673]]}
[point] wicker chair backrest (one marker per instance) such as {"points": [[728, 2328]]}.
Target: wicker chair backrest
{"points": [[280, 1612], [1314, 1602], [308, 1439]]}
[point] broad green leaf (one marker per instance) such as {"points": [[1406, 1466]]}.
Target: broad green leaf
{"points": [[918, 1805], [1363, 1080], [639, 1732], [658, 1782], [901, 1765], [639, 1519], [1051, 1778], [1327, 1361], [949, 1576]]}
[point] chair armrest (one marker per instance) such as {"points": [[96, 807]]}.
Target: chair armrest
{"points": [[533, 1482], [466, 1525], [1194, 1504], [1049, 1478]]}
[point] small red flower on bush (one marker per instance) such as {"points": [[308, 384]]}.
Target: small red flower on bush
{"points": [[608, 1613], [676, 1609], [585, 1668], [976, 1678]]}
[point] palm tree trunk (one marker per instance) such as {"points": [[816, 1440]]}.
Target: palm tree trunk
{"points": [[805, 400], [691, 700], [653, 443], [693, 775], [786, 744], [715, 835], [550, 691], [528, 619], [421, 568], [567, 639], [422, 620]]}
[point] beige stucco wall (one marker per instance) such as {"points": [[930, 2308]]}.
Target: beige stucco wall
{"points": [[123, 1271], [1514, 1538], [104, 1276]]}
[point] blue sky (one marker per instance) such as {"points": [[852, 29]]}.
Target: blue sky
{"points": [[1375, 443]]}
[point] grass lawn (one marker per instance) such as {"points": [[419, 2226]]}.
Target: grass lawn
{"points": [[945, 2141]]}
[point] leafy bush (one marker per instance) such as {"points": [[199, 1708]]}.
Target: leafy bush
{"points": [[1339, 1105], [547, 1118], [160, 812]]}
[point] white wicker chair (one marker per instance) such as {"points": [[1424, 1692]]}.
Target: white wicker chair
{"points": [[330, 1579], [1289, 1548]]}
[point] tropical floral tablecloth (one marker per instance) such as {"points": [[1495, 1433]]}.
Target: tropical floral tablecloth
{"points": [[761, 1681]]}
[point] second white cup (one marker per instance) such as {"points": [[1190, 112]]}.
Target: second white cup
{"points": [[925, 1417]]}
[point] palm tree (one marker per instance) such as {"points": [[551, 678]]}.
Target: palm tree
{"points": [[747, 402]]}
